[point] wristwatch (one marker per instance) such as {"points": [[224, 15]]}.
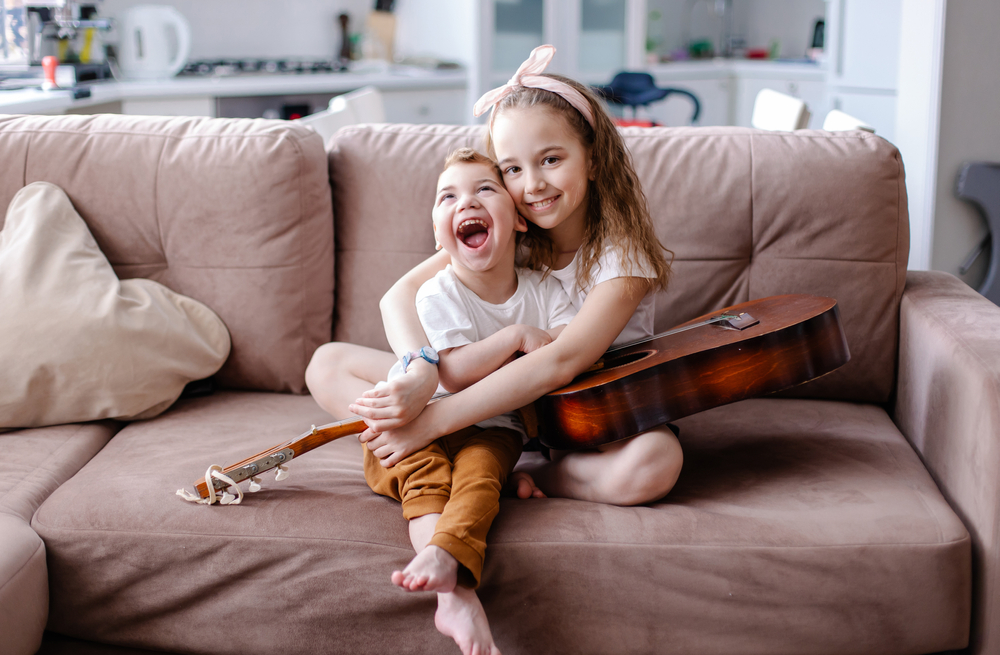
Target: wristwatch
{"points": [[426, 353]]}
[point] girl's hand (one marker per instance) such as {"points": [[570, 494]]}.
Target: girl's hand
{"points": [[393, 405], [393, 445], [532, 338]]}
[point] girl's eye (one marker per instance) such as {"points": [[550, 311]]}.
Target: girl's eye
{"points": [[511, 170], [550, 160]]}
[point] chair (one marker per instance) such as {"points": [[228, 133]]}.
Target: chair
{"points": [[779, 112], [838, 121], [362, 106], [638, 90]]}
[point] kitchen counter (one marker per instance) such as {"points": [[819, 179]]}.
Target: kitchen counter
{"points": [[721, 68], [35, 101]]}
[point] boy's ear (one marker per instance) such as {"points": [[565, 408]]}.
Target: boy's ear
{"points": [[520, 225]]}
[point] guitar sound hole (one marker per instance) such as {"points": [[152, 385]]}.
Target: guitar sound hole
{"points": [[617, 361]]}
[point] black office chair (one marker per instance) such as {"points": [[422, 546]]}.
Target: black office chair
{"points": [[638, 90]]}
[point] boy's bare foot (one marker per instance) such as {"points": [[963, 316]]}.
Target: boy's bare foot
{"points": [[433, 569], [460, 616], [524, 485]]}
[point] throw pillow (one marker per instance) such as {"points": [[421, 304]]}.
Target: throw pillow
{"points": [[78, 344]]}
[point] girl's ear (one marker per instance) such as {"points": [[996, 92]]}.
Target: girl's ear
{"points": [[592, 166], [520, 225]]}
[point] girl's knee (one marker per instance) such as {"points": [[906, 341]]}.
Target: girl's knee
{"points": [[652, 463]]}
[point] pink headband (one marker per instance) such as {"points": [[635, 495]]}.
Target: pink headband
{"points": [[528, 74]]}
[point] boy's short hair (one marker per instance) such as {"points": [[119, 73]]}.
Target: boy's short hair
{"points": [[472, 156]]}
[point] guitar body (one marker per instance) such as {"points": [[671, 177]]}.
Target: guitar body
{"points": [[633, 389]]}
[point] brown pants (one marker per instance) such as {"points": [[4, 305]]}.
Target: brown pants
{"points": [[458, 476]]}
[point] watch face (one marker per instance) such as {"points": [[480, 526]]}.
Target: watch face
{"points": [[430, 354]]}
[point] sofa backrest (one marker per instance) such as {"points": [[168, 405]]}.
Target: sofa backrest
{"points": [[747, 214], [234, 213]]}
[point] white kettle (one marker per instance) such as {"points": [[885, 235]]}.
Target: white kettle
{"points": [[147, 34]]}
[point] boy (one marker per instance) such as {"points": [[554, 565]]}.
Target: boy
{"points": [[478, 314]]}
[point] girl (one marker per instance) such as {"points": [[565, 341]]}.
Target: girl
{"points": [[571, 176]]}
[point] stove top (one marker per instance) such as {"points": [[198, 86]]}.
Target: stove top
{"points": [[232, 67]]}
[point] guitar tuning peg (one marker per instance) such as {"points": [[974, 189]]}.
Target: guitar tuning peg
{"points": [[226, 498], [254, 485], [282, 473]]}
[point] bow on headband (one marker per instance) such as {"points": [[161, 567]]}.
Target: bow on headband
{"points": [[528, 74]]}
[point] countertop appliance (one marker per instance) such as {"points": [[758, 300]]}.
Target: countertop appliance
{"points": [[232, 67], [154, 42]]}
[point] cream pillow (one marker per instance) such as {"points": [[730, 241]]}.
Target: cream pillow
{"points": [[78, 344]]}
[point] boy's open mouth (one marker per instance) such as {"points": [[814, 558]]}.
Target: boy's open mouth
{"points": [[473, 232]]}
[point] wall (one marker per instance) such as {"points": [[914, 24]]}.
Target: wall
{"points": [[969, 127], [299, 29]]}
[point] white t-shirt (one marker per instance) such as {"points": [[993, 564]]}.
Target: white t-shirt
{"points": [[453, 315], [609, 266]]}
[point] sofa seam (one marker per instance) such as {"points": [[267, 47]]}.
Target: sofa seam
{"points": [[40, 546], [750, 259], [303, 281], [156, 204], [200, 535]]}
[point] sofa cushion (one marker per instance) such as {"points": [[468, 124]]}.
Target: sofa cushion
{"points": [[24, 589], [233, 213], [36, 461], [86, 345], [747, 213], [796, 527]]}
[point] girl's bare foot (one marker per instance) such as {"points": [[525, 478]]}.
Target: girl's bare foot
{"points": [[433, 569], [524, 485], [460, 616]]}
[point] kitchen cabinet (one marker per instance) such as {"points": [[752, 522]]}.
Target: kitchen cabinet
{"points": [[714, 94], [183, 106], [864, 38], [445, 106]]}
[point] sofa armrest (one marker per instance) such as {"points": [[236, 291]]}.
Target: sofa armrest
{"points": [[948, 406]]}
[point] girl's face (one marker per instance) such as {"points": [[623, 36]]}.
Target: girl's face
{"points": [[546, 168]]}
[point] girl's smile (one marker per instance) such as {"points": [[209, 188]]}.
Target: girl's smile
{"points": [[547, 170]]}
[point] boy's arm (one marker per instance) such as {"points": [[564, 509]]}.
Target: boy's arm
{"points": [[463, 366]]}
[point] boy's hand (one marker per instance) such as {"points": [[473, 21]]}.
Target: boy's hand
{"points": [[393, 445], [393, 405]]}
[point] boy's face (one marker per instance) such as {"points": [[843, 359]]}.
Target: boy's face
{"points": [[474, 217]]}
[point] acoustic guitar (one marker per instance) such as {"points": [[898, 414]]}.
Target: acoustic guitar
{"points": [[747, 350]]}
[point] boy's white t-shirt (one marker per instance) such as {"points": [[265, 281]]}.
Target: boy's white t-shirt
{"points": [[453, 315], [609, 266]]}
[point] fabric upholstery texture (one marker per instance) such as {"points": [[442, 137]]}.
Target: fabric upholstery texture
{"points": [[948, 406], [797, 526], [81, 344], [233, 213], [24, 589], [748, 214], [37, 461]]}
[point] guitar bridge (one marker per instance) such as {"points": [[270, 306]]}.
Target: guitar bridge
{"points": [[740, 321]]}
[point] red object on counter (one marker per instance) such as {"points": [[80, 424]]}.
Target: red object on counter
{"points": [[635, 122], [758, 53], [49, 65]]}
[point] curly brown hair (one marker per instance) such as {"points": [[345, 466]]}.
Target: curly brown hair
{"points": [[617, 212]]}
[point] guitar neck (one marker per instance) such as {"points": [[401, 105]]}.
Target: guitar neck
{"points": [[284, 452]]}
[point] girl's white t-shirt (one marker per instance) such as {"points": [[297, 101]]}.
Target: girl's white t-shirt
{"points": [[608, 267]]}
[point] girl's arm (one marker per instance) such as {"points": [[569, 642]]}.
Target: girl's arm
{"points": [[465, 365], [402, 400], [604, 314]]}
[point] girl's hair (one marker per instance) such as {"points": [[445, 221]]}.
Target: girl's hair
{"points": [[617, 213]]}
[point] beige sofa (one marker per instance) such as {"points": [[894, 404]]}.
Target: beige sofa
{"points": [[855, 514]]}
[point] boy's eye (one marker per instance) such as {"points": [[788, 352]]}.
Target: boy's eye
{"points": [[485, 188]]}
